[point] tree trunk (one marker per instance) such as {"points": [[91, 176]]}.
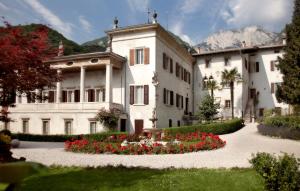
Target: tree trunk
{"points": [[212, 92], [232, 98]]}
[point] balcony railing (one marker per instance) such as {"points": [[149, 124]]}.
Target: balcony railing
{"points": [[52, 107]]}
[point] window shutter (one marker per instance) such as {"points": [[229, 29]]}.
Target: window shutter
{"points": [[272, 88], [171, 98], [177, 69], [64, 95], [272, 65], [103, 95], [131, 95], [171, 65], [257, 66], [182, 74], [146, 94], [177, 100], [131, 57], [146, 55], [165, 96]]}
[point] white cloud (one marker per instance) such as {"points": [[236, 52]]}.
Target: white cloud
{"points": [[86, 25], [177, 28], [138, 5], [54, 20], [190, 6], [267, 13], [4, 7]]}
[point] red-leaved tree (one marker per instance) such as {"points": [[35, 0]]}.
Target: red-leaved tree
{"points": [[22, 68]]}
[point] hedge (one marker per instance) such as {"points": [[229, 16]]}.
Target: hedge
{"points": [[292, 122], [62, 138], [217, 128]]}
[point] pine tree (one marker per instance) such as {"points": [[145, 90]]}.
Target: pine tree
{"points": [[208, 109], [289, 65]]}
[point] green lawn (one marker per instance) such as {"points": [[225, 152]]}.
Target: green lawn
{"points": [[109, 178]]}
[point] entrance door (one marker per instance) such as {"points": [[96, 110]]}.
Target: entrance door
{"points": [[123, 125], [138, 126]]}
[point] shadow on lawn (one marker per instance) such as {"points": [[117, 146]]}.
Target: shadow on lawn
{"points": [[89, 179]]}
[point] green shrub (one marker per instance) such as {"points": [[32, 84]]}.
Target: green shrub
{"points": [[62, 138], [280, 173], [292, 122], [217, 128]]}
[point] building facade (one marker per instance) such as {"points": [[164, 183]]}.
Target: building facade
{"points": [[146, 74]]}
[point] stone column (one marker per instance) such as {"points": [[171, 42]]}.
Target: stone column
{"points": [[108, 89], [58, 88], [82, 84]]}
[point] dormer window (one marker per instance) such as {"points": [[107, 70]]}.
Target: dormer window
{"points": [[207, 63], [94, 60], [226, 61], [70, 63]]}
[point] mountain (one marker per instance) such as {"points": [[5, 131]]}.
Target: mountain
{"points": [[70, 47], [252, 35]]}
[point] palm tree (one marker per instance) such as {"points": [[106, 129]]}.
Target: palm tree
{"points": [[228, 78], [212, 85]]}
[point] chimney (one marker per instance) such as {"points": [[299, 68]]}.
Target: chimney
{"points": [[116, 21], [154, 17], [60, 49], [244, 44]]}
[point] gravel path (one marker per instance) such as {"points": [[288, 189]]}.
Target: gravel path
{"points": [[236, 153]]}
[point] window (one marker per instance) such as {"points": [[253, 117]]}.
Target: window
{"points": [[272, 88], [177, 69], [227, 104], [139, 56], [51, 96], [45, 126], [77, 96], [30, 97], [272, 65], [170, 123], [257, 66], [64, 96], [93, 127], [90, 95], [68, 126], [226, 61], [69, 96], [171, 65], [139, 94], [94, 60], [19, 98], [168, 97], [100, 95], [246, 63], [207, 63], [25, 125], [178, 123]]}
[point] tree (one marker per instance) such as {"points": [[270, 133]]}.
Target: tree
{"points": [[212, 85], [109, 118], [208, 109], [22, 68], [229, 78], [289, 65]]}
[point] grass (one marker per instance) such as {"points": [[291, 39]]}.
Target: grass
{"points": [[121, 178]]}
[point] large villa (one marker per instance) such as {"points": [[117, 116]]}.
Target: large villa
{"points": [[145, 73]]}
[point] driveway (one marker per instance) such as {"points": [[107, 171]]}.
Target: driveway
{"points": [[240, 145]]}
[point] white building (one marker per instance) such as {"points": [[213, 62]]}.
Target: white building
{"points": [[122, 78]]}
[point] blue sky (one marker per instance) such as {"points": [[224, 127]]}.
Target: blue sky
{"points": [[192, 20]]}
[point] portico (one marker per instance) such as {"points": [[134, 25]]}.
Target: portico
{"points": [[82, 63]]}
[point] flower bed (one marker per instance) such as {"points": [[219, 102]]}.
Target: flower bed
{"points": [[118, 144]]}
